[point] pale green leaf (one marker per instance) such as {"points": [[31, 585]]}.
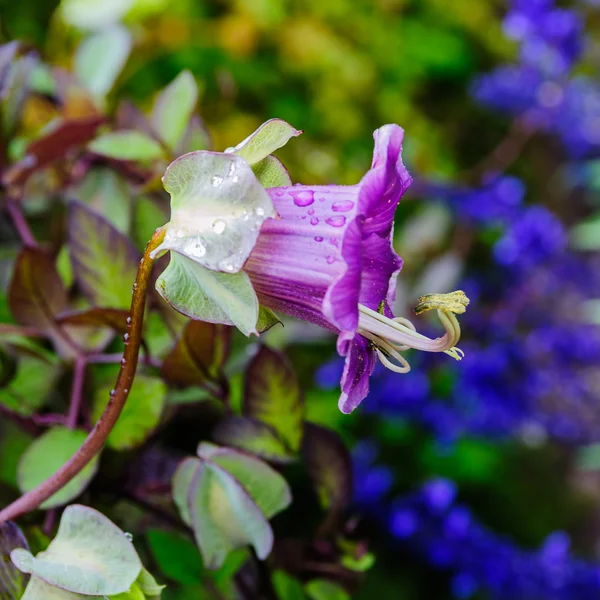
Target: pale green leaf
{"points": [[89, 14], [100, 58], [89, 555], [225, 517], [270, 136], [149, 585], [126, 145], [266, 319], [37, 589], [271, 173], [205, 295], [173, 109], [287, 587], [181, 483], [267, 488], [135, 593], [141, 413], [46, 455], [217, 209]]}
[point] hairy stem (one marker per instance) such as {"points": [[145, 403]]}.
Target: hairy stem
{"points": [[97, 437]]}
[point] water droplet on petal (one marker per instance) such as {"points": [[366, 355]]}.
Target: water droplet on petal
{"points": [[337, 221], [318, 238], [219, 226], [303, 198], [231, 169], [314, 221], [330, 259], [342, 206], [311, 211], [259, 210], [216, 181], [128, 536]]}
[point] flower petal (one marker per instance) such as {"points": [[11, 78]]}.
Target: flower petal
{"points": [[360, 362]]}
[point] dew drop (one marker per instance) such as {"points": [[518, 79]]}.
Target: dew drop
{"points": [[330, 259], [128, 321], [216, 181], [123, 361], [311, 211], [314, 221], [128, 536], [342, 206], [279, 193], [126, 338], [337, 221], [318, 238], [142, 260], [303, 198], [195, 249], [134, 285], [260, 211], [231, 169], [219, 226], [126, 391], [113, 393]]}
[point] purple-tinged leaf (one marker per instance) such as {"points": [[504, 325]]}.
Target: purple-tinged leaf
{"points": [[173, 109], [329, 465], [7, 54], [104, 260], [12, 581], [253, 436], [181, 482], [36, 294], [54, 145], [272, 395], [198, 355], [114, 318]]}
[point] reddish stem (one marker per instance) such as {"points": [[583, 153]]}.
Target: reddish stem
{"points": [[97, 437], [76, 392], [20, 223]]}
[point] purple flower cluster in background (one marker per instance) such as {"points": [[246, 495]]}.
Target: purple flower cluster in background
{"points": [[542, 87], [432, 524]]}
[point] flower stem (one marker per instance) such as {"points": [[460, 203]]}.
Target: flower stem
{"points": [[97, 437], [76, 392], [19, 222]]}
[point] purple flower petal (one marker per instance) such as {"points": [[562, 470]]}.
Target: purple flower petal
{"points": [[360, 362]]}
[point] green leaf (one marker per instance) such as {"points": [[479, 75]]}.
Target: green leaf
{"points": [[28, 390], [36, 294], [323, 589], [266, 487], [176, 556], [198, 355], [104, 260], [127, 145], [224, 517], [360, 565], [253, 436], [135, 593], [266, 319], [13, 442], [100, 58], [270, 136], [329, 465], [15, 92], [199, 293], [107, 192], [46, 455], [12, 581], [273, 396], [586, 235], [270, 172], [217, 209], [173, 109], [141, 413], [287, 587], [84, 14], [90, 555]]}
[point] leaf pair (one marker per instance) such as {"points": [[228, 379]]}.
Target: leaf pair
{"points": [[218, 205], [89, 557], [227, 497]]}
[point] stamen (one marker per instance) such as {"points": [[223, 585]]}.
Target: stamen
{"points": [[392, 336]]}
